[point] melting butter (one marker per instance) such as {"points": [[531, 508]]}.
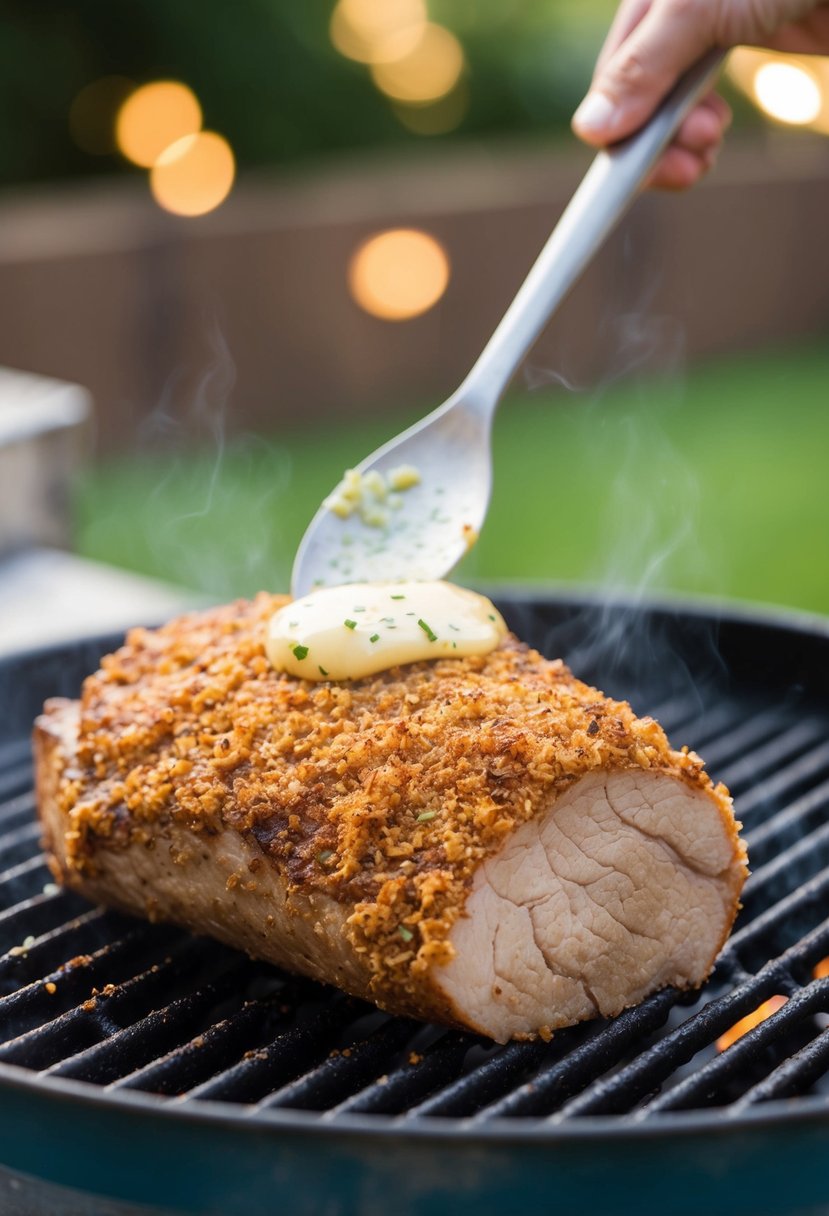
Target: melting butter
{"points": [[348, 632]]}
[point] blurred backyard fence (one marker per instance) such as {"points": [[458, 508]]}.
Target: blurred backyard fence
{"points": [[100, 287]]}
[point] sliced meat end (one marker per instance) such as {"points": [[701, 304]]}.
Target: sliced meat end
{"points": [[628, 883]]}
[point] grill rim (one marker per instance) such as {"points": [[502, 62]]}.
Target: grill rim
{"points": [[670, 1125], [812, 1110]]}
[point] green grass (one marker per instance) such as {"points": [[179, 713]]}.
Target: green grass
{"points": [[717, 484]]}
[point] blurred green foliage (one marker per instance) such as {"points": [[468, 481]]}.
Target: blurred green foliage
{"points": [[268, 77], [714, 485]]}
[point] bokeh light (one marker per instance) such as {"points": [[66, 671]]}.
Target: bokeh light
{"points": [[371, 31], [154, 117], [428, 70], [399, 274], [790, 89], [93, 112], [437, 117], [194, 175], [788, 93]]}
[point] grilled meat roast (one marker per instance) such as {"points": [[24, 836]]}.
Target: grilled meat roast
{"points": [[485, 842]]}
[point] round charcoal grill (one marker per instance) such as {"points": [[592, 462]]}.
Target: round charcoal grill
{"points": [[141, 1065]]}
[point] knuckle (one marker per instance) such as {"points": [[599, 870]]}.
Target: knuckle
{"points": [[631, 71], [683, 10]]}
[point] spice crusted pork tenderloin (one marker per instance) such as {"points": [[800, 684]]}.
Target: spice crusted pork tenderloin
{"points": [[485, 842]]}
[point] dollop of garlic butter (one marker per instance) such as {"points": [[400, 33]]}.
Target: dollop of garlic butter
{"points": [[348, 632]]}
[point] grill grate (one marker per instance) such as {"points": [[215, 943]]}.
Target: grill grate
{"points": [[95, 996]]}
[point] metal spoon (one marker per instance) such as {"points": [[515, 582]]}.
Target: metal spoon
{"points": [[430, 526]]}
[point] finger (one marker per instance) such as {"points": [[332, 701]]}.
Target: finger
{"points": [[628, 16], [701, 130], [671, 36], [720, 107], [680, 169]]}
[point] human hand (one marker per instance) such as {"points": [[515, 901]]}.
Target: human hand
{"points": [[652, 42]]}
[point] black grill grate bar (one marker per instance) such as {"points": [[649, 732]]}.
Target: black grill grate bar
{"points": [[802, 771], [10, 878], [556, 1083], [773, 753], [55, 946], [419, 1076], [737, 1060], [19, 844], [274, 1065], [37, 916], [808, 900], [700, 726], [623, 1090], [509, 1066], [220, 1044], [14, 754], [25, 881], [29, 1012], [789, 822], [342, 1073], [17, 811], [14, 780], [798, 863], [123, 1049], [721, 742], [794, 1076]]}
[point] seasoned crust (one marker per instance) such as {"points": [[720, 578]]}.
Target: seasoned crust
{"points": [[383, 795]]}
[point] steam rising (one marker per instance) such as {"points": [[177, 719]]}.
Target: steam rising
{"points": [[650, 527], [202, 480]]}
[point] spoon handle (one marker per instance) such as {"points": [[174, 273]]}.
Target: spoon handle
{"points": [[606, 192]]}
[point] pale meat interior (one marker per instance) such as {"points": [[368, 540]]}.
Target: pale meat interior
{"points": [[625, 885]]}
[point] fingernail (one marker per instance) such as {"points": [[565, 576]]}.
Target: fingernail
{"points": [[594, 113]]}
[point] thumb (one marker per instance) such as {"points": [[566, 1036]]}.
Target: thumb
{"points": [[629, 86]]}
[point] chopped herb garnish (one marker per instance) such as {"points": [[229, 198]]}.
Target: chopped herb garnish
{"points": [[323, 672], [325, 856], [375, 637], [398, 597], [300, 651], [456, 628], [350, 624], [491, 617], [293, 624], [425, 816], [405, 933], [360, 608], [433, 637], [454, 645]]}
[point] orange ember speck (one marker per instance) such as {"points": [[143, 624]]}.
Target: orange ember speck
{"points": [[750, 1021]]}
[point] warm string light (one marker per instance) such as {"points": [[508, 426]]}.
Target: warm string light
{"points": [[399, 274], [789, 89], [157, 126], [194, 175], [153, 117], [426, 72], [416, 63], [377, 31]]}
